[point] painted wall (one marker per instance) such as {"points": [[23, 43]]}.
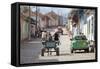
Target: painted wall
{"points": [[24, 30]]}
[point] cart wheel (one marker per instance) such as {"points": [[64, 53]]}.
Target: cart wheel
{"points": [[42, 52], [57, 51]]}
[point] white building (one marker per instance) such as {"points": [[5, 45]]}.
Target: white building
{"points": [[88, 27]]}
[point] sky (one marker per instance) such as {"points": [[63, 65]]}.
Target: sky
{"points": [[60, 11]]}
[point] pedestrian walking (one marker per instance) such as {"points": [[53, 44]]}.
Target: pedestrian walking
{"points": [[44, 35], [32, 32], [83, 36], [92, 45]]}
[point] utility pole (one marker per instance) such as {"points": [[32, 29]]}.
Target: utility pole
{"points": [[58, 18], [29, 35], [38, 11], [36, 17], [36, 22]]}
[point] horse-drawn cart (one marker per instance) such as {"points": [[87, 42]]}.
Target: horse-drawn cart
{"points": [[49, 47]]}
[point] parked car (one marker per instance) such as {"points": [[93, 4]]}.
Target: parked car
{"points": [[79, 43]]}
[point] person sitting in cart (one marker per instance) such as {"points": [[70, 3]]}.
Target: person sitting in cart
{"points": [[56, 37], [49, 36]]}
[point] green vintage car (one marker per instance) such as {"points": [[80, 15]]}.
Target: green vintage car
{"points": [[79, 43]]}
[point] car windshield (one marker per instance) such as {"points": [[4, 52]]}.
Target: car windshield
{"points": [[80, 38]]}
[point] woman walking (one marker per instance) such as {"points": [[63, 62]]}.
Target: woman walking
{"points": [[44, 35]]}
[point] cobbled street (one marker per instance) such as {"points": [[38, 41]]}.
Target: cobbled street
{"points": [[31, 51]]}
